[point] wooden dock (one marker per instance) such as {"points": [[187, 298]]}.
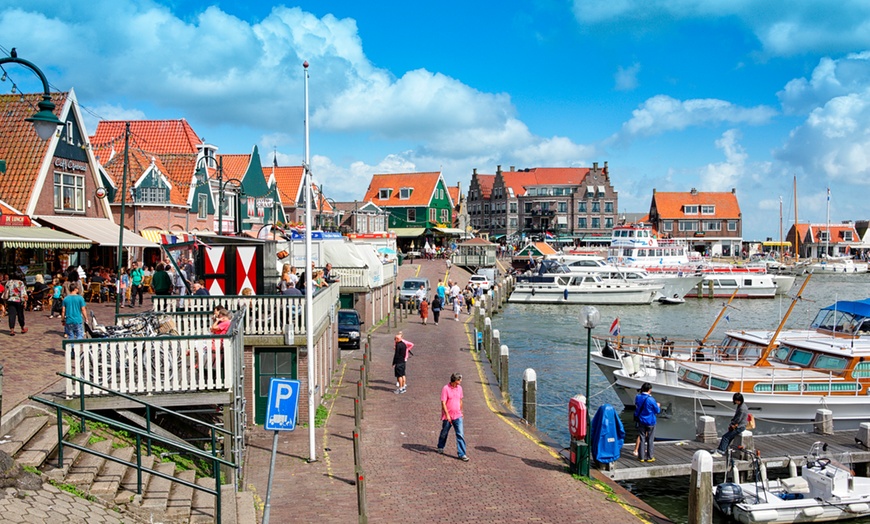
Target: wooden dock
{"points": [[674, 459]]}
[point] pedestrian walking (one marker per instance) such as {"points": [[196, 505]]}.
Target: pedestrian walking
{"points": [[73, 314], [136, 276], [161, 282], [735, 427], [56, 298], [424, 310], [437, 306], [15, 295], [645, 410], [451, 415], [457, 306], [400, 356]]}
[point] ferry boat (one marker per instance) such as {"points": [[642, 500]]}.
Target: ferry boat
{"points": [[555, 284], [796, 373], [675, 286], [636, 245]]}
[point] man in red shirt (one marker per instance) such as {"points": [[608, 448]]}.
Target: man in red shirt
{"points": [[451, 415]]}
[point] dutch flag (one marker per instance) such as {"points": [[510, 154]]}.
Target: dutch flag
{"points": [[549, 235], [614, 328]]}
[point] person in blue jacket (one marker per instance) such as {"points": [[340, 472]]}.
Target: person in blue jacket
{"points": [[645, 410]]}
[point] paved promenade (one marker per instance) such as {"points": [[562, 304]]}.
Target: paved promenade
{"points": [[510, 476]]}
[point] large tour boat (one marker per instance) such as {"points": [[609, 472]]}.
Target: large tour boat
{"points": [[555, 284]]}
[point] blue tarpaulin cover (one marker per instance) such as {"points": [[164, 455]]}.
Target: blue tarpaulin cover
{"points": [[607, 435]]}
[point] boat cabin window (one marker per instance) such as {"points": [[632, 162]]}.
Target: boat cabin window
{"points": [[862, 370], [840, 322], [781, 354], [829, 362], [718, 383], [747, 282], [726, 282], [800, 357]]}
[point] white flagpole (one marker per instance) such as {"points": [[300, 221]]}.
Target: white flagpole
{"points": [[309, 292]]}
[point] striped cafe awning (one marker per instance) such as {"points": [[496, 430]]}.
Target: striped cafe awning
{"points": [[40, 238]]}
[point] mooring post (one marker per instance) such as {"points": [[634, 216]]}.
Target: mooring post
{"points": [[705, 430], [701, 489], [496, 343], [503, 372], [530, 396], [369, 346], [487, 335], [361, 496], [824, 422]]}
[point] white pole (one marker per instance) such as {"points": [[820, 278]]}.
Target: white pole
{"points": [[309, 292]]}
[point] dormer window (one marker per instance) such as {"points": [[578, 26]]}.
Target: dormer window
{"points": [[823, 236], [384, 194], [405, 193], [690, 210], [708, 210], [847, 236]]}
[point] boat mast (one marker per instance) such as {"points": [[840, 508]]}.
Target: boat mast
{"points": [[828, 223], [721, 313], [780, 230], [762, 360], [797, 242]]}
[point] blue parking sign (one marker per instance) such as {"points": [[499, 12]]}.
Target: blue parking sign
{"points": [[283, 405]]}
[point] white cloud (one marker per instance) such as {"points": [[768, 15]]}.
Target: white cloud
{"points": [[109, 112], [783, 28], [723, 176], [662, 113], [625, 78], [829, 79], [344, 184]]}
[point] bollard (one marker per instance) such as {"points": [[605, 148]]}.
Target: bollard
{"points": [[357, 412], [365, 368], [396, 317], [361, 496], [862, 437], [495, 343], [357, 453], [824, 422], [503, 369], [705, 430], [369, 346], [745, 441], [530, 396], [487, 336], [701, 489], [360, 394]]}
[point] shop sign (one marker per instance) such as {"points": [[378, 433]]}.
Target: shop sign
{"points": [[70, 165], [15, 220]]}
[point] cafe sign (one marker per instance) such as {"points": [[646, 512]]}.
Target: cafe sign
{"points": [[15, 220], [70, 165]]}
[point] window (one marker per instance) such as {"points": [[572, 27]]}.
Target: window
{"points": [[69, 192], [404, 193], [527, 207], [444, 216], [668, 225], [690, 210], [581, 222], [513, 207], [202, 206], [563, 207], [688, 225], [800, 357], [847, 236], [708, 210], [411, 215], [732, 225], [384, 194], [69, 133], [596, 223], [596, 207], [608, 222], [608, 207], [528, 223], [712, 225], [432, 212], [823, 236], [513, 223], [581, 207], [153, 195]]}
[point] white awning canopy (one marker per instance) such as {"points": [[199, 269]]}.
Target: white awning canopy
{"points": [[31, 237], [455, 231], [102, 231]]}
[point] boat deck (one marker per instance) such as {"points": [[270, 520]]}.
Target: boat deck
{"points": [[674, 459]]}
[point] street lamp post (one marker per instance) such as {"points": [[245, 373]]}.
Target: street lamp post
{"points": [[223, 189], [44, 121], [203, 162], [590, 317]]}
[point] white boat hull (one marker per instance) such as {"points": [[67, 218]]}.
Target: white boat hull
{"points": [[603, 294], [723, 285]]}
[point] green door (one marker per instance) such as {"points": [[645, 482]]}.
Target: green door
{"points": [[346, 300], [271, 362]]}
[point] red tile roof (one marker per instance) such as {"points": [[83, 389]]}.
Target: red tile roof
{"points": [[485, 183], [423, 185], [519, 180], [154, 136], [235, 166], [288, 179], [454, 194], [837, 232], [670, 205], [178, 169], [22, 149]]}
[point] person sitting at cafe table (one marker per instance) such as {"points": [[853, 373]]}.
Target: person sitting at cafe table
{"points": [[38, 294]]}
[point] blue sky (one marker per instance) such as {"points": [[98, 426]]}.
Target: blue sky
{"points": [[673, 94]]}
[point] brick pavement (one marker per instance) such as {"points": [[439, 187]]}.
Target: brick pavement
{"points": [[510, 476]]}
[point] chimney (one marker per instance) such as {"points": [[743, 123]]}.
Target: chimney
{"points": [[595, 166], [474, 171], [513, 168], [733, 190], [694, 191], [498, 169], [605, 167]]}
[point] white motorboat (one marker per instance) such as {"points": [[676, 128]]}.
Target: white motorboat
{"points": [[675, 285], [556, 285], [839, 264], [783, 383], [747, 285], [825, 491], [636, 245]]}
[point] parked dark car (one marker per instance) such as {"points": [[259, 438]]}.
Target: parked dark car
{"points": [[349, 328]]}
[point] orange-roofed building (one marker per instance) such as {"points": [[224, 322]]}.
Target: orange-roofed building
{"points": [[834, 239], [569, 204], [710, 222], [418, 203]]}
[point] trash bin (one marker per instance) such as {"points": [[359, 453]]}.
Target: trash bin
{"points": [[401, 258]]}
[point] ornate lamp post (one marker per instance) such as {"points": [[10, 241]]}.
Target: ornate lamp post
{"points": [[44, 121]]}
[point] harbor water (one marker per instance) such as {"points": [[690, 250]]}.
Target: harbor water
{"points": [[551, 340]]}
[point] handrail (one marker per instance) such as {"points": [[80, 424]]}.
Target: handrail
{"points": [[139, 433]]}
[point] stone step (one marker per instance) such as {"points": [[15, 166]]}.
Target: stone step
{"points": [[41, 446], [70, 455], [108, 482], [127, 490], [202, 509], [180, 497], [246, 509], [156, 496], [228, 505], [12, 442], [88, 466]]}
